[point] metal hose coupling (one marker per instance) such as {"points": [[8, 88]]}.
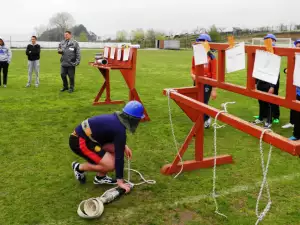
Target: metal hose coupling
{"points": [[113, 194]]}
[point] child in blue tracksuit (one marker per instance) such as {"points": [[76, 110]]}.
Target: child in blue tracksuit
{"points": [[5, 58], [295, 114]]}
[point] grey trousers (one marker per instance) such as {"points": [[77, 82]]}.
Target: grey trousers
{"points": [[34, 65], [68, 71]]}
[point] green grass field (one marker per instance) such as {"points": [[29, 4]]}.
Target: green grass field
{"points": [[37, 182]]}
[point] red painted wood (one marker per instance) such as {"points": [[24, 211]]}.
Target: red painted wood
{"points": [[191, 165], [128, 71], [190, 99]]}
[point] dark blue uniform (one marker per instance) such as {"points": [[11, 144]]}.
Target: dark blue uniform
{"points": [[104, 129]]}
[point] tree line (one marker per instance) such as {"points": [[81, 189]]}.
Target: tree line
{"points": [[62, 21], [58, 24]]}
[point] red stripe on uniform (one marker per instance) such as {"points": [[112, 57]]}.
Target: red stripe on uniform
{"points": [[87, 152]]}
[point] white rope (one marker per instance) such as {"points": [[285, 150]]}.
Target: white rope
{"points": [[173, 133], [93, 207], [216, 126], [264, 183]]}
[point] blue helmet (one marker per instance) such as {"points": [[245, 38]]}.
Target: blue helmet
{"points": [[134, 109], [297, 42], [203, 37], [272, 36]]}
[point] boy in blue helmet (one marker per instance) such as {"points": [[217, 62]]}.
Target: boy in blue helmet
{"points": [[266, 110], [101, 140], [293, 113], [210, 71]]}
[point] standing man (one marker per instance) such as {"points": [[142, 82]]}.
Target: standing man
{"points": [[33, 53], [70, 58], [5, 58]]}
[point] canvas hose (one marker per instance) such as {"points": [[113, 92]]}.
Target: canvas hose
{"points": [[93, 208]]}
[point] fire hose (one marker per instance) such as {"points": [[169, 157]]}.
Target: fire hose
{"points": [[93, 208]]}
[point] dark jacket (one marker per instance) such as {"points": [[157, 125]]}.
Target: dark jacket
{"points": [[70, 52], [33, 52]]}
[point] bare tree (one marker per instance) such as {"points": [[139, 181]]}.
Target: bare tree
{"points": [[39, 30], [221, 29], [62, 21], [199, 30], [292, 26], [282, 27]]}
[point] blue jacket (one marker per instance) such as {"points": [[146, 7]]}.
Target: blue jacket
{"points": [[298, 91]]}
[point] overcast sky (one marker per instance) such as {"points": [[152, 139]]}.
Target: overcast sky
{"points": [[105, 17]]}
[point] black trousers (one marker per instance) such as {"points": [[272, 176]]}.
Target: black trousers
{"points": [[293, 115], [207, 93], [4, 67], [265, 108], [297, 122], [68, 71], [275, 108]]}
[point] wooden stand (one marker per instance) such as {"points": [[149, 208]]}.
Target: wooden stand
{"points": [[190, 100], [127, 68]]}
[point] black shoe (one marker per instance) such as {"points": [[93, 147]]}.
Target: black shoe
{"points": [[71, 90], [63, 89]]}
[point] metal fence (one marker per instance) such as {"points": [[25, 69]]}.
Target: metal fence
{"points": [[54, 45]]}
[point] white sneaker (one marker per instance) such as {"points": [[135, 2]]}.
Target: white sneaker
{"points": [[207, 123], [267, 125], [4, 86], [104, 180], [288, 125], [257, 121]]}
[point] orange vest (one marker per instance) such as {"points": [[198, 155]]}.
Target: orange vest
{"points": [[210, 69]]}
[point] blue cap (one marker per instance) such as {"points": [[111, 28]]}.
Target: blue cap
{"points": [[272, 36], [297, 42], [134, 109], [203, 37]]}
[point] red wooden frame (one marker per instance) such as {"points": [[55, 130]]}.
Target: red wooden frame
{"points": [[191, 102], [128, 71]]}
